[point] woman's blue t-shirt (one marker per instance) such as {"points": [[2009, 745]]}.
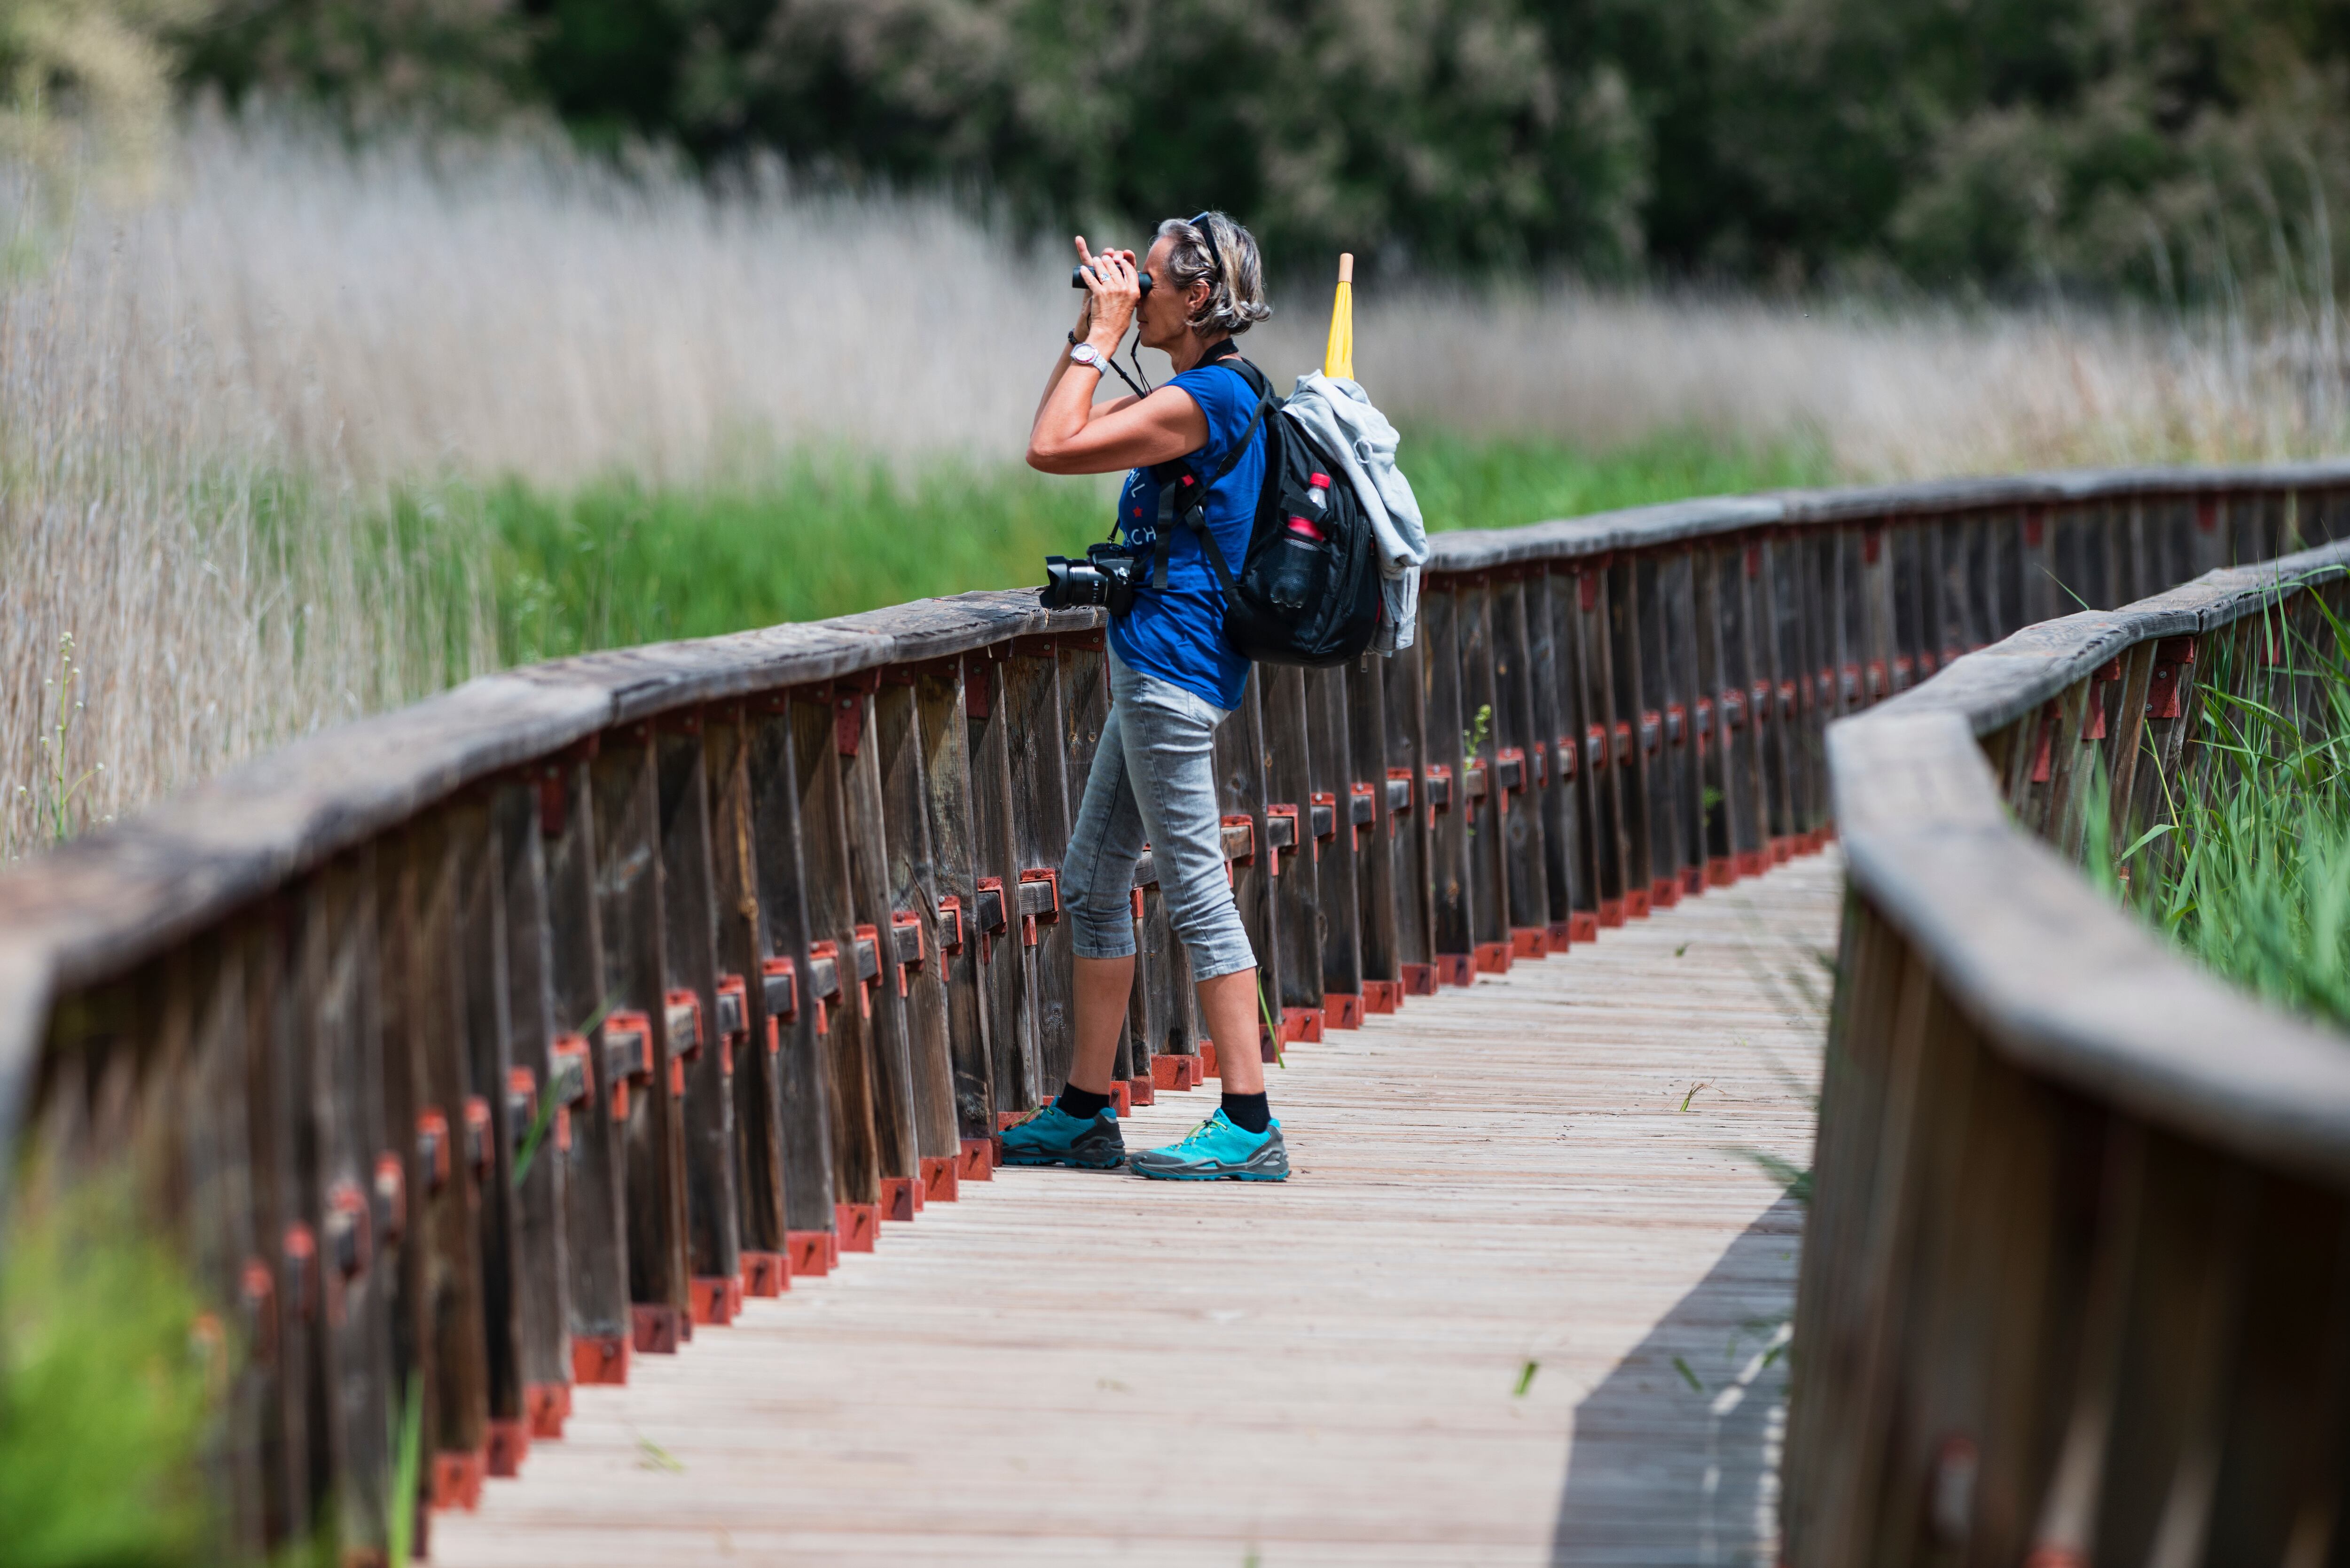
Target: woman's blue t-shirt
{"points": [[1178, 634]]}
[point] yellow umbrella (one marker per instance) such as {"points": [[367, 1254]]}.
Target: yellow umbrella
{"points": [[1338, 359]]}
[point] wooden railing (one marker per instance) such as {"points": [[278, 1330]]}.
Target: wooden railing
{"points": [[477, 1048], [2076, 1280]]}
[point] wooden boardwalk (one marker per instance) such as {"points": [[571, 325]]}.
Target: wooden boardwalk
{"points": [[1521, 1303]]}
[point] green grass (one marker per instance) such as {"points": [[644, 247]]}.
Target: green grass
{"points": [[618, 561], [102, 1392], [2255, 879]]}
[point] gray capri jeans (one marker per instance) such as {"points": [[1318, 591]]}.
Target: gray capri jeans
{"points": [[1154, 780]]}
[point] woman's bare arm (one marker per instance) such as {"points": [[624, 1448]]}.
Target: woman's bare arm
{"points": [[1070, 434]]}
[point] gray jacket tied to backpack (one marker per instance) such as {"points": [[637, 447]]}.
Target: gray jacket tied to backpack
{"points": [[1339, 416]]}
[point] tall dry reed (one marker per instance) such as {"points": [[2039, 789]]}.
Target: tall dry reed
{"points": [[516, 307], [174, 599], [203, 400]]}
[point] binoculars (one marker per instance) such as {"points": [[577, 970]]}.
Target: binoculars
{"points": [[1077, 278]]}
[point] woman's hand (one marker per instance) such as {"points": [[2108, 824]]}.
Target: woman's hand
{"points": [[1113, 293]]}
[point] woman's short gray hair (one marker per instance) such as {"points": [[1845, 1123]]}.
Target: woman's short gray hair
{"points": [[1213, 247]]}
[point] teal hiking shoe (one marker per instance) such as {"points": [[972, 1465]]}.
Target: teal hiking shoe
{"points": [[1217, 1150], [1053, 1137]]}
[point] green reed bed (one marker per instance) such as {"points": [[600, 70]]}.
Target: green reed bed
{"points": [[622, 561], [2253, 878]]}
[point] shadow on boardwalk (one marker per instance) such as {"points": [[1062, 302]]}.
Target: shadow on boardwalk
{"points": [[1676, 1452]]}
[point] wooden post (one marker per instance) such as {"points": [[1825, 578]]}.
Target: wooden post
{"points": [[542, 1262], [635, 968], [1626, 607], [344, 1105], [445, 1205], [1036, 743], [915, 883], [1337, 863], [1523, 790], [1004, 966], [874, 897], [1402, 698], [954, 829], [486, 1143], [1480, 799], [847, 1080], [1281, 737], [595, 1196], [796, 1054], [1445, 783], [755, 1110], [1241, 792]]}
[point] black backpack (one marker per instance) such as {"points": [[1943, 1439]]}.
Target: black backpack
{"points": [[1308, 590]]}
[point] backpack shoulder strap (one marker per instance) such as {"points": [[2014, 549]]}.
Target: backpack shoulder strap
{"points": [[1194, 516]]}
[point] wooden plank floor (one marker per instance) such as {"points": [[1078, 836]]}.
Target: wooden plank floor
{"points": [[1552, 1171]]}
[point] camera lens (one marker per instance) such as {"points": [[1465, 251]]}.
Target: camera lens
{"points": [[1068, 583]]}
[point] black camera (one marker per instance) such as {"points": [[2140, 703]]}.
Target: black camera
{"points": [[1107, 576], [1078, 279]]}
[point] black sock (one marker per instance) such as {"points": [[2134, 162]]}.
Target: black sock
{"points": [[1082, 1104], [1250, 1113]]}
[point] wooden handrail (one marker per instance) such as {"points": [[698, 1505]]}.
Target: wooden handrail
{"points": [[2076, 1256], [314, 1005]]}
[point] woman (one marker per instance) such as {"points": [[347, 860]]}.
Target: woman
{"points": [[1172, 680]]}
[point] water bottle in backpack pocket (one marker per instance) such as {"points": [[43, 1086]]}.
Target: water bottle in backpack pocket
{"points": [[1303, 561]]}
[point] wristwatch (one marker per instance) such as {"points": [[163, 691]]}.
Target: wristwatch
{"points": [[1086, 354]]}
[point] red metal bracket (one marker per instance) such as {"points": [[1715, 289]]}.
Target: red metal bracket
{"points": [[432, 1149], [950, 925], [347, 1230], [681, 1015], [1362, 810], [1569, 759], [824, 982], [975, 698], [847, 722], [1238, 821], [812, 1253], [391, 1198], [1324, 806], [2092, 717], [903, 923], [522, 1103], [656, 1330], [2042, 762], [940, 1183], [627, 1057], [2172, 656], [2036, 526], [600, 1358], [856, 1225], [868, 952], [1045, 912], [716, 1299], [975, 1159], [1399, 798], [545, 1407], [1283, 831], [1439, 788], [779, 987], [990, 915], [299, 1248], [767, 1274]]}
